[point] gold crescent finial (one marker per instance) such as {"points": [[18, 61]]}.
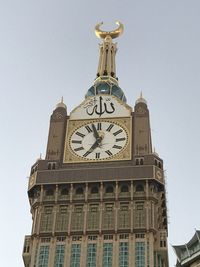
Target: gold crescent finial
{"points": [[113, 34]]}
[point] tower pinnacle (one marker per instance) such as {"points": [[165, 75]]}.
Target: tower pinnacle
{"points": [[108, 51], [106, 81]]}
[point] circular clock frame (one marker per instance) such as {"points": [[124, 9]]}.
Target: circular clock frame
{"points": [[113, 139]]}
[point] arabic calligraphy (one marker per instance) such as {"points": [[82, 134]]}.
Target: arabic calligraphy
{"points": [[100, 106]]}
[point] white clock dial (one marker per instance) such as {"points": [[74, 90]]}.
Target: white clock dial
{"points": [[98, 140]]}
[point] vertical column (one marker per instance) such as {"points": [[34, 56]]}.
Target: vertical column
{"points": [[115, 251], [99, 251], [85, 210], [147, 205], [34, 251], [101, 191], [67, 255], [71, 193], [55, 210], [56, 194], [86, 192], [41, 193], [70, 218], [67, 252], [132, 208], [131, 250], [52, 249], [83, 251]]}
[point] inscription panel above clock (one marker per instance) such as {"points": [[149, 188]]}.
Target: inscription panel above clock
{"points": [[101, 106]]}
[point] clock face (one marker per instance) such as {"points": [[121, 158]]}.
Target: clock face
{"points": [[98, 140]]}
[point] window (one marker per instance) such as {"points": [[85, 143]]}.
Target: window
{"points": [[123, 236], [47, 219], [43, 257], [77, 218], [94, 190], [77, 238], [139, 236], [108, 217], [91, 255], [61, 238], [124, 216], [140, 215], [107, 254], [27, 245], [60, 255], [109, 189], [124, 189], [45, 239], [123, 254], [139, 188], [49, 192], [140, 254], [108, 237], [79, 191], [92, 237], [162, 240], [75, 255], [62, 219], [93, 217], [64, 192]]}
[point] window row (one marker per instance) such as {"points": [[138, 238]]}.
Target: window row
{"points": [[80, 190], [107, 217], [75, 258]]}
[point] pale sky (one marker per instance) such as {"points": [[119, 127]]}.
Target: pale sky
{"points": [[48, 49]]}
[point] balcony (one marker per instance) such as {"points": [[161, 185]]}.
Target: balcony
{"points": [[109, 196], [124, 195], [94, 196]]}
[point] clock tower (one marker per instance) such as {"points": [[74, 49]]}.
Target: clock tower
{"points": [[98, 198]]}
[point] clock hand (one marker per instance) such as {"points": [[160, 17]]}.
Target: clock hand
{"points": [[96, 144], [96, 134]]}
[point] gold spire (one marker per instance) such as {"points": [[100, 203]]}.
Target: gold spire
{"points": [[107, 51]]}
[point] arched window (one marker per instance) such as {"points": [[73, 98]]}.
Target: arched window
{"points": [[137, 162], [53, 166], [141, 161], [49, 166], [94, 190], [64, 191], [49, 192], [124, 188], [109, 189], [79, 191], [160, 165], [139, 188]]}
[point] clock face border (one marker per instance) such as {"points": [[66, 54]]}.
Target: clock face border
{"points": [[72, 126]]}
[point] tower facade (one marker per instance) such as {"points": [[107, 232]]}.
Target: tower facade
{"points": [[98, 198]]}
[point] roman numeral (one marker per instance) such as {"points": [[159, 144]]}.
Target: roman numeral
{"points": [[88, 129], [86, 153], [78, 148], [120, 139], [110, 127], [97, 156], [80, 134], [117, 132], [109, 152], [117, 147], [99, 126], [76, 142]]}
